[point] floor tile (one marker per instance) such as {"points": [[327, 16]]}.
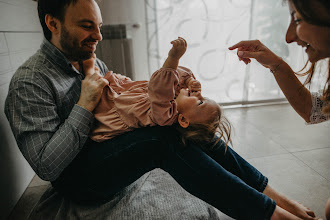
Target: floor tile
{"points": [[306, 138], [250, 142], [291, 177], [318, 160], [36, 181], [24, 206]]}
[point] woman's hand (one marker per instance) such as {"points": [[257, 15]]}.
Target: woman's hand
{"points": [[255, 49]]}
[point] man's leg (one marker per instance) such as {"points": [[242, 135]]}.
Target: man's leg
{"points": [[105, 168]]}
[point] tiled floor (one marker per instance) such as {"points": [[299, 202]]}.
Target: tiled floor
{"points": [[294, 156]]}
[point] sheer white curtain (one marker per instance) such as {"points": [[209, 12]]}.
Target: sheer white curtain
{"points": [[210, 27]]}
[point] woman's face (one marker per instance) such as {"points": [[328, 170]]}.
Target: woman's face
{"points": [[316, 39]]}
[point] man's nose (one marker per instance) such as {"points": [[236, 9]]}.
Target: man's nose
{"points": [[97, 34]]}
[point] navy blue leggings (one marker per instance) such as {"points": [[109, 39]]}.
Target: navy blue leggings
{"points": [[220, 178]]}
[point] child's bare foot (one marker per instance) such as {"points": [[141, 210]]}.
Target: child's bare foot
{"points": [[89, 65], [299, 210], [289, 205]]}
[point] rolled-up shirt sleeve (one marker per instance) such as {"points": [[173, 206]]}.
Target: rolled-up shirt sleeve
{"points": [[163, 87]]}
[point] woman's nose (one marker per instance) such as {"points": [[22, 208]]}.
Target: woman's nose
{"points": [[291, 34]]}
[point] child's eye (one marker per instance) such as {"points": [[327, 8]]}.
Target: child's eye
{"points": [[188, 93], [297, 21]]}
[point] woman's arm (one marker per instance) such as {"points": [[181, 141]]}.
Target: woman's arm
{"points": [[298, 96]]}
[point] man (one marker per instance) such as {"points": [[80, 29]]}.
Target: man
{"points": [[49, 107]]}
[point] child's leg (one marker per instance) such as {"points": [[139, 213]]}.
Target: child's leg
{"points": [[103, 169], [237, 165], [250, 175], [290, 205]]}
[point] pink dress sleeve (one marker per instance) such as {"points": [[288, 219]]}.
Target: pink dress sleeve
{"points": [[163, 86], [161, 90], [184, 74]]}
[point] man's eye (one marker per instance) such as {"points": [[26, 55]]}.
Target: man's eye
{"points": [[201, 102], [87, 27], [188, 93]]}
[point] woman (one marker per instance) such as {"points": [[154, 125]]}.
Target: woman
{"points": [[310, 29]]}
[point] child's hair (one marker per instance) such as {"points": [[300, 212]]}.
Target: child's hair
{"points": [[203, 133]]}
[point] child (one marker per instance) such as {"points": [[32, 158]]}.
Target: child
{"points": [[172, 95]]}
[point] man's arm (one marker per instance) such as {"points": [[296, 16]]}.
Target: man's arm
{"points": [[47, 142], [48, 133]]}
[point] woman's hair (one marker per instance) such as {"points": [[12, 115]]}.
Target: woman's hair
{"points": [[202, 133], [307, 10], [55, 8], [311, 13]]}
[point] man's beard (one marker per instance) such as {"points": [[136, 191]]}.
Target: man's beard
{"points": [[70, 47]]}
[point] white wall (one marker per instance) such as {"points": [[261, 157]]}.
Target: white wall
{"points": [[20, 37], [130, 12]]}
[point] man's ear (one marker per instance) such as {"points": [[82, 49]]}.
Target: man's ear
{"points": [[52, 23], [184, 122]]}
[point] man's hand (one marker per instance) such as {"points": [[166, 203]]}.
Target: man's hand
{"points": [[92, 86]]}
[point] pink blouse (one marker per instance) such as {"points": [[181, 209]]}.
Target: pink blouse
{"points": [[126, 104]]}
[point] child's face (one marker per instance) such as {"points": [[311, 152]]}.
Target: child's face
{"points": [[196, 108]]}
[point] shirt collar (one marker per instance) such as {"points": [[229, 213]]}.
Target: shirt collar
{"points": [[54, 54]]}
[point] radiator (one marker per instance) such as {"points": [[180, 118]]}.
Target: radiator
{"points": [[115, 50]]}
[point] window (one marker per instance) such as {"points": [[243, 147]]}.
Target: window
{"points": [[210, 27]]}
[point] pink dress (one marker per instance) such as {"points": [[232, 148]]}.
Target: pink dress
{"points": [[126, 104]]}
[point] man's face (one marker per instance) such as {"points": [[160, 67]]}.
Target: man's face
{"points": [[80, 31]]}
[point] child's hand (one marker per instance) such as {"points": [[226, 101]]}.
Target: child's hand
{"points": [[89, 67], [178, 49], [194, 86]]}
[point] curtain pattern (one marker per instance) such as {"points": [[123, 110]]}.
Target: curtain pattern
{"points": [[210, 27]]}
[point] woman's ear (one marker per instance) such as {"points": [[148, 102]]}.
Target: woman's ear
{"points": [[52, 23], [184, 122]]}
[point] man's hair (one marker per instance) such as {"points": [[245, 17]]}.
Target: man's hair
{"points": [[55, 8]]}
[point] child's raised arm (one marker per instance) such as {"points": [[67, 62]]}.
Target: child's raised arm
{"points": [[178, 49]]}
